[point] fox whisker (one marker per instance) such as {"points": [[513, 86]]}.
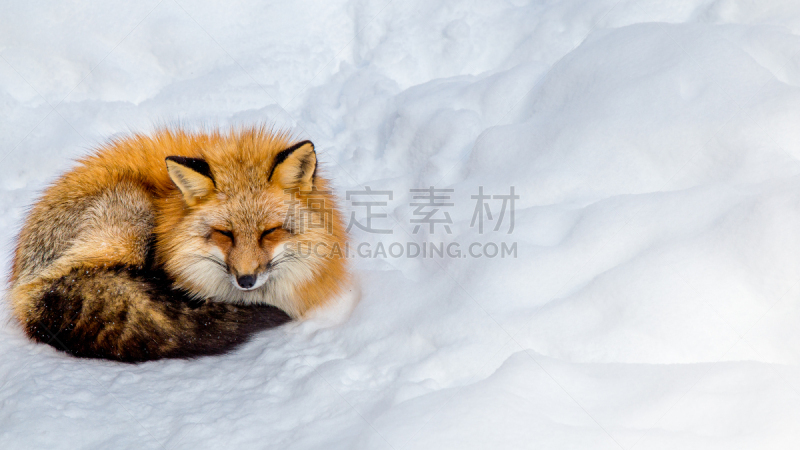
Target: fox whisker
{"points": [[212, 259]]}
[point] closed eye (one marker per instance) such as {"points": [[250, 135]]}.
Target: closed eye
{"points": [[266, 232], [228, 234]]}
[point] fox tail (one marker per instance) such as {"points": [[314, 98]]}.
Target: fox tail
{"points": [[133, 315]]}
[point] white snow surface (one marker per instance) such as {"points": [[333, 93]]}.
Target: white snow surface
{"points": [[655, 298]]}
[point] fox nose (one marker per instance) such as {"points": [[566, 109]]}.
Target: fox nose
{"points": [[246, 281]]}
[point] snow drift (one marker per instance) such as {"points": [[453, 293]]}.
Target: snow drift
{"points": [[652, 301]]}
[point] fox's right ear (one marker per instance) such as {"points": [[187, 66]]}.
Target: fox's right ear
{"points": [[192, 176]]}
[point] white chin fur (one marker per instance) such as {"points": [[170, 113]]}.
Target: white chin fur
{"points": [[260, 280]]}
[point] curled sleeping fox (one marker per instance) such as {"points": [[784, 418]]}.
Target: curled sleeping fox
{"points": [[177, 244]]}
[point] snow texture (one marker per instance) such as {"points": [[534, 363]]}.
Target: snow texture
{"points": [[653, 300]]}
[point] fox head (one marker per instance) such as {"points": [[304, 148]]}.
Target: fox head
{"points": [[236, 228]]}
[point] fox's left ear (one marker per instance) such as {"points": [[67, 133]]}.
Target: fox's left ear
{"points": [[192, 176], [295, 167]]}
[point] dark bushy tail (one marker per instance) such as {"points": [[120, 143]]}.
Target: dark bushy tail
{"points": [[129, 315]]}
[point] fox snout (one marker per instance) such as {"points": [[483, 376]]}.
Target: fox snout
{"points": [[249, 282], [248, 264], [251, 276], [246, 281]]}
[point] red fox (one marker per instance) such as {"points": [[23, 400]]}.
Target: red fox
{"points": [[178, 244]]}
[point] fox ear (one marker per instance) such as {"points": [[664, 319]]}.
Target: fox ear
{"points": [[295, 167], [192, 176]]}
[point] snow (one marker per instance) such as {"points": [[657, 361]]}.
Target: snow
{"points": [[653, 146]]}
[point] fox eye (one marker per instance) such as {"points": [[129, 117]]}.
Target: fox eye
{"points": [[226, 233], [266, 232]]}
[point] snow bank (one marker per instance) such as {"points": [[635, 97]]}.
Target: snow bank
{"points": [[652, 302]]}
